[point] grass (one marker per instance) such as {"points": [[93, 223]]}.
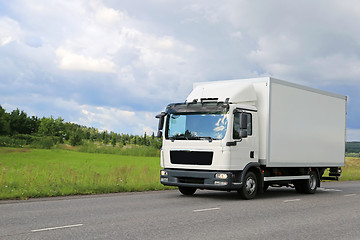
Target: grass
{"points": [[351, 171], [26, 173]]}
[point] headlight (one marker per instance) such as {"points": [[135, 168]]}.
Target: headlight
{"points": [[163, 173], [221, 175]]}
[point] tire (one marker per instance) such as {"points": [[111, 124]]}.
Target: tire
{"points": [[307, 186], [188, 191], [310, 185], [250, 186]]}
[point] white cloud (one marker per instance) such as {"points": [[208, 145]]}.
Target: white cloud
{"points": [[117, 120], [353, 135], [108, 40], [316, 41], [58, 50], [71, 61], [106, 117], [105, 14], [10, 31]]}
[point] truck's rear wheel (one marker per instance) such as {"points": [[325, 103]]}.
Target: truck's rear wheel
{"points": [[308, 186], [188, 191], [311, 184], [250, 186]]}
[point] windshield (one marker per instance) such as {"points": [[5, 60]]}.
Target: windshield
{"points": [[196, 126]]}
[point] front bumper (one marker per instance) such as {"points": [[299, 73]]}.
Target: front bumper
{"points": [[201, 179]]}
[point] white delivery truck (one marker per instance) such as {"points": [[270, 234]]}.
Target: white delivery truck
{"points": [[249, 134]]}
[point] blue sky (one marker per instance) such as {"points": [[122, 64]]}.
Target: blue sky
{"points": [[114, 65]]}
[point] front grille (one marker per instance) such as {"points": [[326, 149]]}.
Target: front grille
{"points": [[191, 157], [191, 180]]}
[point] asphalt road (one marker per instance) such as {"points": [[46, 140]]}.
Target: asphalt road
{"points": [[280, 213]]}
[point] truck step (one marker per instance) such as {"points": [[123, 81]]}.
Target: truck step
{"points": [[285, 178]]}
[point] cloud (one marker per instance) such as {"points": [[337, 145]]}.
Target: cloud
{"points": [[116, 119], [290, 46], [10, 31], [105, 117], [353, 135], [113, 119], [106, 15], [107, 59], [71, 61], [108, 40]]}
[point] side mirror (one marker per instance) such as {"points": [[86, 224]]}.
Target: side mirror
{"points": [[161, 117]]}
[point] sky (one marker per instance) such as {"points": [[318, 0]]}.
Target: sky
{"points": [[114, 65]]}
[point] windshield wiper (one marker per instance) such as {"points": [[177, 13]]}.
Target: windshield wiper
{"points": [[178, 137], [208, 138]]}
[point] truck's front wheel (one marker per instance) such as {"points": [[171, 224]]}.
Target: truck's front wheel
{"points": [[187, 190], [250, 186]]}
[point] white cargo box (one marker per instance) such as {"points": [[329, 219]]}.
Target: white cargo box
{"points": [[298, 126]]}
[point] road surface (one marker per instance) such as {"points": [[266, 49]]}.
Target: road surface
{"points": [[280, 213]]}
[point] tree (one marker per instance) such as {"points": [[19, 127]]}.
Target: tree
{"points": [[113, 139], [75, 138], [4, 122], [105, 137], [20, 122], [34, 123], [143, 140], [52, 127]]}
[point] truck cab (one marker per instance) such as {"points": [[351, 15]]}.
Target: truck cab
{"points": [[216, 140]]}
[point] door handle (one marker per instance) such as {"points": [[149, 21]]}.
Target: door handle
{"points": [[229, 144]]}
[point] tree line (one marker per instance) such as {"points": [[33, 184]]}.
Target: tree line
{"points": [[352, 149], [17, 128]]}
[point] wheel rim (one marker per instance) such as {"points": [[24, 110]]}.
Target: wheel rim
{"points": [[312, 182], [250, 186]]}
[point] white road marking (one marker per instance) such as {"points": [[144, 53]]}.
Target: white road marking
{"points": [[206, 209], [350, 195], [329, 190], [55, 228], [292, 200]]}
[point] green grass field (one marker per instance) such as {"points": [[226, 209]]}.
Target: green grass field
{"points": [[351, 171], [26, 173]]}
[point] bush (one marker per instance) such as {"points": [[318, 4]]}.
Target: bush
{"points": [[7, 141], [131, 150], [25, 137], [353, 154], [43, 143]]}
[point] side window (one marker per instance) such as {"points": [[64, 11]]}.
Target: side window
{"points": [[249, 126], [236, 128]]}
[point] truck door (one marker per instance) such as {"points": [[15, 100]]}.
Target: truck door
{"points": [[244, 149]]}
